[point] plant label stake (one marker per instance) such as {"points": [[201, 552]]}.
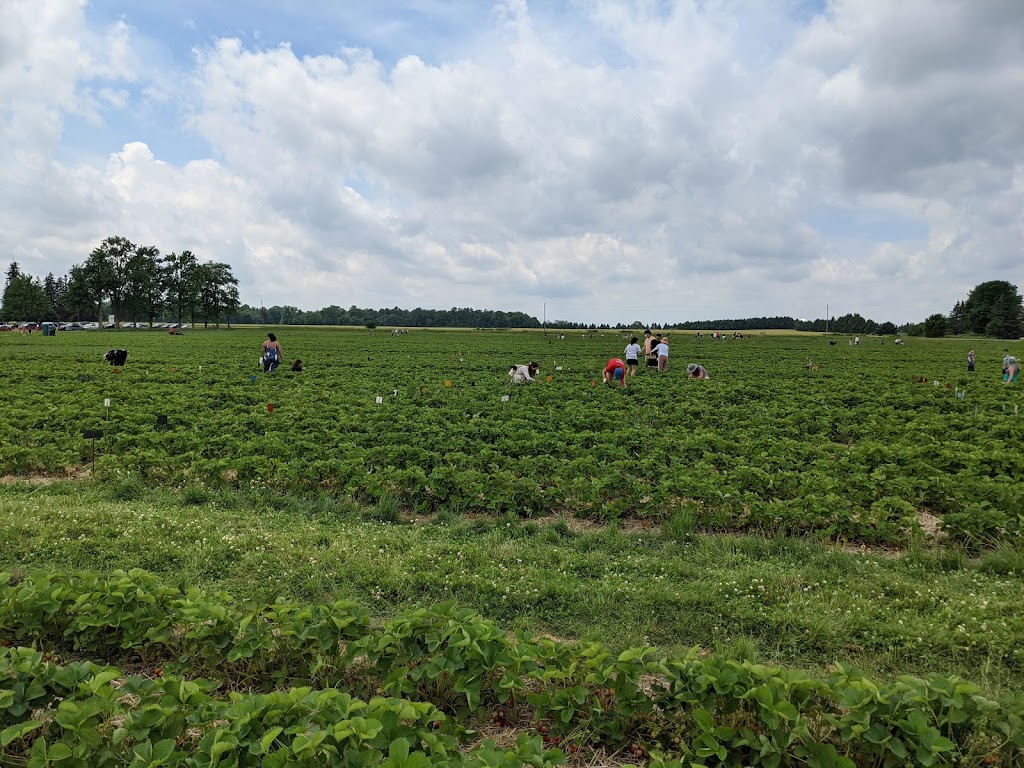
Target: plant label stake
{"points": [[106, 404], [94, 435], [379, 399], [161, 421], [504, 398], [270, 407]]}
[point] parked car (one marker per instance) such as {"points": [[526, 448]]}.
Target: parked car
{"points": [[72, 327], [6, 327], [90, 326], [28, 326]]}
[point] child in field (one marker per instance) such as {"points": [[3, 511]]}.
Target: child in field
{"points": [[632, 356], [970, 360], [662, 351]]}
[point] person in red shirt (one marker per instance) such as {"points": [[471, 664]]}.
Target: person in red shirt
{"points": [[615, 371]]}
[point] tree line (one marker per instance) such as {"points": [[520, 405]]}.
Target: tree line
{"points": [[455, 317], [131, 282], [993, 308], [136, 283]]}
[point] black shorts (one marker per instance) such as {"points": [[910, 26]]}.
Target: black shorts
{"points": [[652, 362], [631, 362]]}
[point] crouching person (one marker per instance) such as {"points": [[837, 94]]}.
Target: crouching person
{"points": [[116, 356], [523, 374]]}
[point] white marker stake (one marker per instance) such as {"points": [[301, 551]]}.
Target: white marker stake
{"points": [[504, 398], [379, 399], [558, 367]]}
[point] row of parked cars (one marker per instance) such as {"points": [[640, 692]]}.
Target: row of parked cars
{"points": [[94, 326], [160, 326]]}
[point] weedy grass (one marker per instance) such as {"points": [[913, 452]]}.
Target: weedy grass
{"points": [[793, 600]]}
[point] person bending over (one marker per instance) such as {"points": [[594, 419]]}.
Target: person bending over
{"points": [[695, 371], [615, 371], [524, 374]]}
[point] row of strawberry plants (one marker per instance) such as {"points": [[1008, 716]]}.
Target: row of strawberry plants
{"points": [[710, 711], [758, 447], [83, 714]]}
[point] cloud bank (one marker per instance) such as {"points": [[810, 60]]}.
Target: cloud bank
{"points": [[614, 160]]}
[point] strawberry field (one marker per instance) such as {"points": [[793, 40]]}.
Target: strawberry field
{"points": [[848, 443], [723, 558]]}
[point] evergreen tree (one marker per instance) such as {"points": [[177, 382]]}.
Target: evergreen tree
{"points": [[23, 299], [958, 318]]}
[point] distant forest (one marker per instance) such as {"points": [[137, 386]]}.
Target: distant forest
{"points": [[457, 317], [136, 283]]}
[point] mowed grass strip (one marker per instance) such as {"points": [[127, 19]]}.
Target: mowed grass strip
{"points": [[783, 599]]}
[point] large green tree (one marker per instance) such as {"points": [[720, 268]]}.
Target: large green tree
{"points": [[180, 283], [56, 289], [935, 326], [218, 291], [92, 282], [144, 285], [995, 308]]}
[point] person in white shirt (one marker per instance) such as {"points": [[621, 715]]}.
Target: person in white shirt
{"points": [[632, 356], [524, 374], [662, 351]]}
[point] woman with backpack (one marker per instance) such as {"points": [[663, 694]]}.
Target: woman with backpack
{"points": [[270, 353]]}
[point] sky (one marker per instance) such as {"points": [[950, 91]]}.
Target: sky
{"points": [[584, 160]]}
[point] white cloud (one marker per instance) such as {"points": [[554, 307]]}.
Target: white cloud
{"points": [[613, 159]]}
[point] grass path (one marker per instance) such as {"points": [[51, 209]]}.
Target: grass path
{"points": [[794, 601]]}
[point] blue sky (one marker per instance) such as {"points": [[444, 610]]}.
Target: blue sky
{"points": [[754, 158]]}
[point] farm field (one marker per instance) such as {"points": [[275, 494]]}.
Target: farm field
{"points": [[853, 451], [778, 514]]}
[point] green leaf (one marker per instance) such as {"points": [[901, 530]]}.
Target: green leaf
{"points": [[17, 731], [268, 739]]}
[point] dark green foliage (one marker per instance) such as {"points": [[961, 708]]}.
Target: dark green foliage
{"points": [[935, 326], [995, 308], [290, 684]]}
